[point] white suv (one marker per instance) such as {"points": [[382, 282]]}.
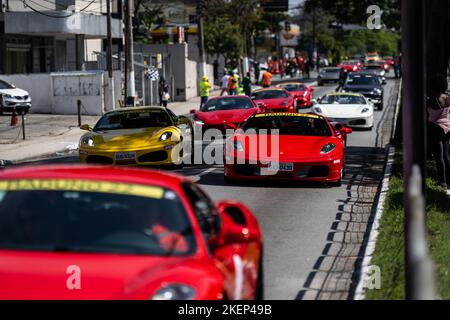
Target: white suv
{"points": [[13, 96]]}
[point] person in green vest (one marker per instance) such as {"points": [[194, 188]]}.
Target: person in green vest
{"points": [[247, 83], [205, 86]]}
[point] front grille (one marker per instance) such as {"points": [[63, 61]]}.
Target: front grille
{"points": [[99, 160], [19, 98], [155, 156], [359, 122], [318, 172]]}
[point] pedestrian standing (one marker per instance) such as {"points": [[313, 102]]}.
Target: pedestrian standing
{"points": [[267, 79], [165, 96], [438, 107], [232, 85], [257, 72], [224, 85], [205, 86], [247, 83], [163, 87], [396, 67], [307, 65]]}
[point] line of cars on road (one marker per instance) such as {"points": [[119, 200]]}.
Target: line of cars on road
{"points": [[102, 232]]}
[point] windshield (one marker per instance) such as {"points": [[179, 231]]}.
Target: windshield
{"points": [[342, 99], [269, 94], [289, 125], [356, 80], [139, 220], [294, 87], [133, 120], [227, 104], [5, 85]]}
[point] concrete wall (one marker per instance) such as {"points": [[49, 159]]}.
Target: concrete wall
{"points": [[37, 85], [58, 93]]}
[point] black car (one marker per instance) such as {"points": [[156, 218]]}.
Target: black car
{"points": [[370, 85]]}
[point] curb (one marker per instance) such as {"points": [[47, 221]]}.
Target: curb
{"points": [[374, 228]]}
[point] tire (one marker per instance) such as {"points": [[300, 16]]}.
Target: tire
{"points": [[259, 292], [380, 107]]}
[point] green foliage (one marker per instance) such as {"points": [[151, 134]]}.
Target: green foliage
{"points": [[224, 38]]}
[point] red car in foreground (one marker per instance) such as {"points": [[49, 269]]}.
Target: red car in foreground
{"points": [[274, 100], [304, 147], [75, 232], [219, 112], [301, 93]]}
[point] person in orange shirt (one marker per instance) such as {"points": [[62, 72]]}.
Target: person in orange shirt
{"points": [[232, 85], [267, 79]]}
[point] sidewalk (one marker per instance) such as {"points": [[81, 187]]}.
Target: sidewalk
{"points": [[50, 134]]}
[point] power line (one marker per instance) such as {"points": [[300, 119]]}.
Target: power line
{"points": [[51, 9]]}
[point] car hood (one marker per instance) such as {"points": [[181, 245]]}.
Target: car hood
{"points": [[342, 110], [44, 275], [14, 92], [225, 116], [291, 148], [129, 138]]}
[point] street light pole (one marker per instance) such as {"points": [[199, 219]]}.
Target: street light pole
{"points": [[414, 122], [109, 53], [201, 41], [131, 90]]}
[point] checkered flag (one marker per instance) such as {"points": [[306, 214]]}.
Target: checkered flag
{"points": [[153, 74]]}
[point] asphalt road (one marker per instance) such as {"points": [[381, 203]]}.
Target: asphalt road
{"points": [[295, 219]]}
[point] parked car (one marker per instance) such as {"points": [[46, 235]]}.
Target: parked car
{"points": [[14, 97]]}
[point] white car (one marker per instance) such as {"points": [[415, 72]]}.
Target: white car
{"points": [[350, 109], [13, 96]]}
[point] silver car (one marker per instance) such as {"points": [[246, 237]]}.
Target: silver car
{"points": [[330, 74]]}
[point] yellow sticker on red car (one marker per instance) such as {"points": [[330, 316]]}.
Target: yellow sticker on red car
{"points": [[83, 186], [285, 114]]}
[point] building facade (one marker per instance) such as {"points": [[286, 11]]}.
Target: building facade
{"points": [[42, 36]]}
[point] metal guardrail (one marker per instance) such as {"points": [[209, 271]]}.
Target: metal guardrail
{"points": [[420, 264]]}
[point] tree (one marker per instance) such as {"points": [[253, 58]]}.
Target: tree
{"points": [[224, 38]]}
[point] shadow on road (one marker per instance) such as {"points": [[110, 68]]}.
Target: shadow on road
{"points": [[336, 271]]}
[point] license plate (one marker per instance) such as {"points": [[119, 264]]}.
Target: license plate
{"points": [[122, 156], [281, 166]]}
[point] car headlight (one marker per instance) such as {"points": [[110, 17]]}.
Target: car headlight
{"points": [[364, 110], [165, 136], [88, 141], [175, 292], [327, 148], [238, 146], [376, 91], [317, 110], [5, 95], [343, 90]]}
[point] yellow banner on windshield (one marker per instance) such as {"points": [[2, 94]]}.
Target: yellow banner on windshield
{"points": [[83, 186], [285, 114]]}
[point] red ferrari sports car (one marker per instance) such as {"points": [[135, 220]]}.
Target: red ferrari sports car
{"points": [[301, 93], [286, 146], [274, 100], [221, 111], [77, 232], [350, 66]]}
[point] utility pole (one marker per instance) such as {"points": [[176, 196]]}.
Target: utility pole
{"points": [[109, 54], [414, 132], [201, 41], [314, 54], [125, 71], [130, 86]]}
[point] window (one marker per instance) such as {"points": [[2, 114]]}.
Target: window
{"points": [[204, 209]]}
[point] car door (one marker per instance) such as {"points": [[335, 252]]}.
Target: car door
{"points": [[238, 262]]}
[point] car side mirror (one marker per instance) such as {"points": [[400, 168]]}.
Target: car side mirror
{"points": [[313, 101], [239, 225], [230, 126], [86, 127], [345, 130], [192, 111]]}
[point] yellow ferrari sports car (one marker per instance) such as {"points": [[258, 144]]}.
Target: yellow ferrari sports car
{"points": [[136, 136]]}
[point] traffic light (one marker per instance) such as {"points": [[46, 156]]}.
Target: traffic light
{"points": [[287, 26]]}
